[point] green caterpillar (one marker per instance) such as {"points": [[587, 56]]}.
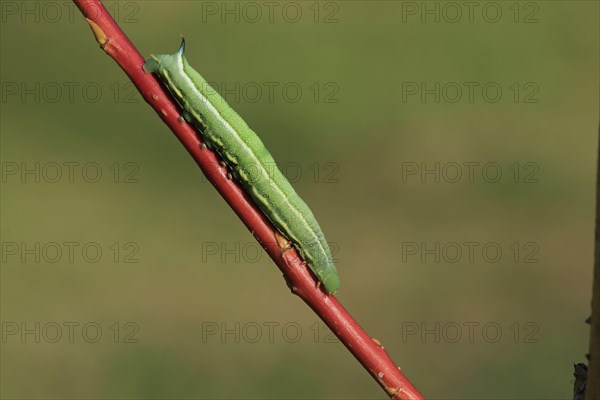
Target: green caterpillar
{"points": [[226, 133]]}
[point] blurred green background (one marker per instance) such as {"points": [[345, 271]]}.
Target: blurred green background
{"points": [[179, 303]]}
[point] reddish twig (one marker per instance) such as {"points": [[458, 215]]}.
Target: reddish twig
{"points": [[367, 350]]}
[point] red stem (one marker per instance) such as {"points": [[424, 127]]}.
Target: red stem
{"points": [[367, 351]]}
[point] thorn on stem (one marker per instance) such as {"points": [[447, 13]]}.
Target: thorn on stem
{"points": [[378, 343], [283, 242], [98, 33]]}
